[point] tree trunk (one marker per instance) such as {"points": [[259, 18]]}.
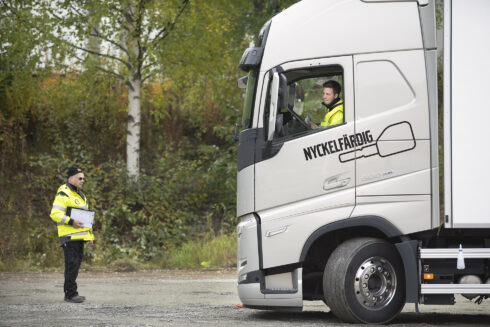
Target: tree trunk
{"points": [[94, 42], [130, 39], [134, 128]]}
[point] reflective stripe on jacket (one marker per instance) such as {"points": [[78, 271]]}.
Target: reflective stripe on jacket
{"points": [[335, 115], [65, 198]]}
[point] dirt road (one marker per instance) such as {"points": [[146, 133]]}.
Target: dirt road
{"points": [[179, 298]]}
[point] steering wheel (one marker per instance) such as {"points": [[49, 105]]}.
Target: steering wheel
{"points": [[295, 115]]}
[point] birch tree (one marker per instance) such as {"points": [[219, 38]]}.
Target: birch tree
{"points": [[129, 35]]}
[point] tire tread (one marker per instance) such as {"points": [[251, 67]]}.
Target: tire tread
{"points": [[335, 274]]}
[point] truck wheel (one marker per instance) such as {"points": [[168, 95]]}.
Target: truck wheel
{"points": [[364, 281]]}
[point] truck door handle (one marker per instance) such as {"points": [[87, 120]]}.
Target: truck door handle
{"points": [[334, 182]]}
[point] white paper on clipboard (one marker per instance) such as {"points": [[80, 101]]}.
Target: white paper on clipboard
{"points": [[85, 216]]}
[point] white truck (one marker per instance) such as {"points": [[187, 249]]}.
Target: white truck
{"points": [[350, 213]]}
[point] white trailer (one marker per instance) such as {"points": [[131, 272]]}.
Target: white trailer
{"points": [[350, 213]]}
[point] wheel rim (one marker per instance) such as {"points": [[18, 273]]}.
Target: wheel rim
{"points": [[375, 283]]}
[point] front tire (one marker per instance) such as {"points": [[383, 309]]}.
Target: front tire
{"points": [[364, 281]]}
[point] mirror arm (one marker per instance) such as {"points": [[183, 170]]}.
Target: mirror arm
{"points": [[235, 137]]}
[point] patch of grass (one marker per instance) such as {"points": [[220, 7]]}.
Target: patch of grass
{"points": [[205, 252], [126, 264], [210, 252], [15, 265]]}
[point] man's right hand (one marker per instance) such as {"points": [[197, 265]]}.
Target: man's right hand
{"points": [[313, 125], [77, 224]]}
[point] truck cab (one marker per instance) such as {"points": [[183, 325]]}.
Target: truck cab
{"points": [[341, 212]]}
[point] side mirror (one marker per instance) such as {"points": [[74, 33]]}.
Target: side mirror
{"points": [[242, 82], [278, 101]]}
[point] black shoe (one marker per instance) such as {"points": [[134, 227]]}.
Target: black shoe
{"points": [[75, 299]]}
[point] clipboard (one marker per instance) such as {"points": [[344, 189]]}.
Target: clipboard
{"points": [[85, 216]]}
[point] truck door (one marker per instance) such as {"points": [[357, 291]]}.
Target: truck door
{"points": [[394, 173], [301, 183]]}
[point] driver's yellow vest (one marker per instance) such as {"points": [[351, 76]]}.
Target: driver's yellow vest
{"points": [[335, 115]]}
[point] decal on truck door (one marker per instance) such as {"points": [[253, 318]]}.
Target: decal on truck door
{"points": [[401, 131], [341, 144]]}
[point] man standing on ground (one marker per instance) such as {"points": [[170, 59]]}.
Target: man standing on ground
{"points": [[72, 234]]}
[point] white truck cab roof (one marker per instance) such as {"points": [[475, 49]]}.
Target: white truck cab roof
{"points": [[341, 27]]}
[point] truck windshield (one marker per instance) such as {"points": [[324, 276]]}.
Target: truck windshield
{"points": [[249, 99]]}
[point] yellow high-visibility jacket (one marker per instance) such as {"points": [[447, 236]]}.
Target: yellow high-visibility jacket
{"points": [[335, 115], [68, 197]]}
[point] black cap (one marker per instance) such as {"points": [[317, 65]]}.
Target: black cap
{"points": [[73, 170]]}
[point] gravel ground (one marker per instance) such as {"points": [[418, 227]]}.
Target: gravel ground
{"points": [[179, 298]]}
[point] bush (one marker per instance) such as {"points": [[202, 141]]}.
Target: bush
{"points": [[181, 198], [211, 252], [187, 184]]}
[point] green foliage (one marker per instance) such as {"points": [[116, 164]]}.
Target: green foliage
{"points": [[55, 112], [177, 201], [20, 59], [439, 14], [211, 252]]}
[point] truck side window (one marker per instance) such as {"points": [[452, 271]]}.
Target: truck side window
{"points": [[306, 111]]}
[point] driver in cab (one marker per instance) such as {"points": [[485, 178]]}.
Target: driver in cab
{"points": [[335, 105]]}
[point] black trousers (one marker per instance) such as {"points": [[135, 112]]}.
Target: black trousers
{"points": [[73, 258]]}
